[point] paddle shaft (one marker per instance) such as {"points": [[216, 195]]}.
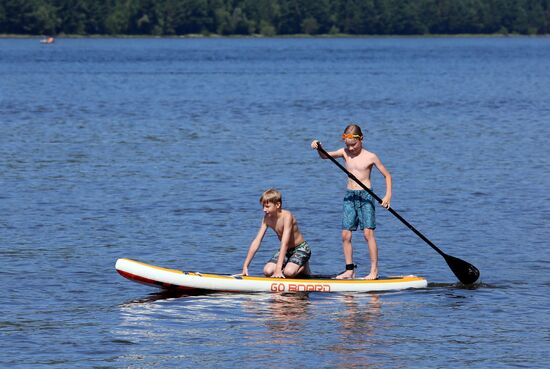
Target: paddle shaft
{"points": [[395, 213]]}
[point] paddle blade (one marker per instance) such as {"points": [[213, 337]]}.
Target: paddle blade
{"points": [[464, 271]]}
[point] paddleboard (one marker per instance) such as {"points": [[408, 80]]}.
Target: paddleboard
{"points": [[171, 279]]}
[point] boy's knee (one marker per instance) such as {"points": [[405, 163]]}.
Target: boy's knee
{"points": [[269, 269], [369, 233], [346, 235], [291, 270]]}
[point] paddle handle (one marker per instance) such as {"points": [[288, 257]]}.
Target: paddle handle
{"points": [[395, 213]]}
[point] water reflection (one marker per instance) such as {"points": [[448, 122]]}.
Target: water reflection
{"points": [[359, 317], [344, 326], [288, 312], [344, 329], [358, 323]]}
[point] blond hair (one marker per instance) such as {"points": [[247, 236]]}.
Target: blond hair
{"points": [[354, 129], [272, 195]]}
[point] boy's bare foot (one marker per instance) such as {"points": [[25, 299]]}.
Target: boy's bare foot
{"points": [[348, 274], [371, 276]]}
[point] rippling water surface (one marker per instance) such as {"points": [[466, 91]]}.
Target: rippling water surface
{"points": [[157, 150]]}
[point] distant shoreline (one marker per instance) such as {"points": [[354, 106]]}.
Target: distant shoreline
{"points": [[322, 36]]}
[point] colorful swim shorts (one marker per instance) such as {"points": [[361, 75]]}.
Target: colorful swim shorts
{"points": [[358, 210], [298, 255]]}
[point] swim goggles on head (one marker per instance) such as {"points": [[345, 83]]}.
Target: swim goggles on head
{"points": [[351, 136]]}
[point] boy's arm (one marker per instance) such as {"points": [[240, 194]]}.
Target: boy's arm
{"points": [[387, 199], [285, 238], [254, 246], [335, 154]]}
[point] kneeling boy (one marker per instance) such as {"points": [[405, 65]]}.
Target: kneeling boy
{"points": [[292, 258]]}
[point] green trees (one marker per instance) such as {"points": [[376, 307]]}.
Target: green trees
{"points": [[274, 17], [25, 17]]}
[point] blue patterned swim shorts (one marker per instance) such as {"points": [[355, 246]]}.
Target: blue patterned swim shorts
{"points": [[358, 210], [298, 255]]}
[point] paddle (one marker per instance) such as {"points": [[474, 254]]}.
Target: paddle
{"points": [[464, 271]]}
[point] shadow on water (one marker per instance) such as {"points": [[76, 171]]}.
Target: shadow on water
{"points": [[167, 295], [460, 286], [175, 294]]}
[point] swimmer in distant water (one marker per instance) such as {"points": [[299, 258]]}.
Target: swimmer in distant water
{"points": [[48, 40]]}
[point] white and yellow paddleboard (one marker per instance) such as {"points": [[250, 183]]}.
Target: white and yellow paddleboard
{"points": [[170, 279]]}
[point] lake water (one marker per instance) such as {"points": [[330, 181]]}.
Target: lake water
{"points": [[158, 149]]}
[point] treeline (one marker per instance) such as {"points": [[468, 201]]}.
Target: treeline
{"points": [[273, 17]]}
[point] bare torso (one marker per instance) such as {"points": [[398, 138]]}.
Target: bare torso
{"points": [[277, 224], [360, 166]]}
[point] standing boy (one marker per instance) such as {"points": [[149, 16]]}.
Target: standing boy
{"points": [[358, 203], [292, 258]]}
